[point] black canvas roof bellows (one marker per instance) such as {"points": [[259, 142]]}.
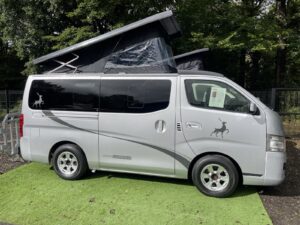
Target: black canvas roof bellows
{"points": [[191, 61], [140, 47]]}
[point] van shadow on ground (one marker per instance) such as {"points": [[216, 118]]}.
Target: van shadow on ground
{"points": [[241, 191]]}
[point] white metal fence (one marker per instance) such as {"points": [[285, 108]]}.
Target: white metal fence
{"points": [[9, 134], [10, 101]]}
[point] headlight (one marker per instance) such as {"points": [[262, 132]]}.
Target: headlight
{"points": [[276, 143]]}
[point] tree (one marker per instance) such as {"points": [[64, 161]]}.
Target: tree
{"points": [[255, 42], [241, 29], [10, 67], [287, 18], [281, 14], [39, 26]]}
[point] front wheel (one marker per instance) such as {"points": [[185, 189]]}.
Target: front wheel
{"points": [[69, 162], [215, 175]]}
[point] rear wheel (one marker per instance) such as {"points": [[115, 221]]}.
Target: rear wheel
{"points": [[69, 162], [215, 175]]}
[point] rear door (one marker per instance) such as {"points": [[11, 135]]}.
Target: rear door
{"points": [[215, 118], [137, 124]]}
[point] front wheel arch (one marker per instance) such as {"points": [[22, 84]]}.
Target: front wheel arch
{"points": [[191, 166], [215, 176]]}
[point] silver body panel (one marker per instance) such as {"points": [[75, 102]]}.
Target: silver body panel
{"points": [[130, 141], [160, 143], [246, 137]]}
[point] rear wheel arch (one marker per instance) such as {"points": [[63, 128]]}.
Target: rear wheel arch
{"points": [[191, 166], [56, 145]]}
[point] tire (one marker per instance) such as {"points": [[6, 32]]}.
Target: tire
{"points": [[215, 175], [69, 162]]}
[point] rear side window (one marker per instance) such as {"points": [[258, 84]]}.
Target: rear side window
{"points": [[65, 95], [134, 96], [215, 95]]}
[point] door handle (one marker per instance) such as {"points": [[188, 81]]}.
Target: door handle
{"points": [[193, 125], [160, 126]]}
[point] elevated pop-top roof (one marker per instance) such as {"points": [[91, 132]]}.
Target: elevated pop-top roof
{"points": [[195, 52], [166, 19], [191, 60]]}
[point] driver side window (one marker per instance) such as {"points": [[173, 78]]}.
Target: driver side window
{"points": [[215, 95]]}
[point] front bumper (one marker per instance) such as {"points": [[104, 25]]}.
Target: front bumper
{"points": [[275, 168], [275, 163]]}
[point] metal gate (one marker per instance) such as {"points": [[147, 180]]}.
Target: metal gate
{"points": [[10, 101], [9, 134]]}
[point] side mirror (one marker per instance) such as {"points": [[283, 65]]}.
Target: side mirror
{"points": [[253, 108]]}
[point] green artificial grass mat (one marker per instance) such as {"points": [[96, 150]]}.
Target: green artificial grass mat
{"points": [[34, 194]]}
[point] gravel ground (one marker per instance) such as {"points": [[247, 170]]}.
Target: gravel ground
{"points": [[7, 163], [282, 202]]}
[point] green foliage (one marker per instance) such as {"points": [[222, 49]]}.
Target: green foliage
{"points": [[249, 31], [93, 17], [245, 36], [70, 36], [10, 67]]}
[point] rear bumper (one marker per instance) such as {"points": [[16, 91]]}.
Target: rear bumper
{"points": [[25, 149], [274, 171]]}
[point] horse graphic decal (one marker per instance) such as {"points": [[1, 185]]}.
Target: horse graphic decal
{"points": [[38, 103], [220, 130]]}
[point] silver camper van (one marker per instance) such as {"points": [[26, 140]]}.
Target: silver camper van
{"points": [[200, 125]]}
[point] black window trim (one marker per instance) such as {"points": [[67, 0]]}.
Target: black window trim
{"points": [[97, 110], [215, 108], [134, 79]]}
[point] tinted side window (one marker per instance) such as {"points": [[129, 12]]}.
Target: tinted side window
{"points": [[68, 95], [134, 96], [215, 95]]}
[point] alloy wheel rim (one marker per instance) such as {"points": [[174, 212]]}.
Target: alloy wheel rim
{"points": [[67, 163], [214, 177]]}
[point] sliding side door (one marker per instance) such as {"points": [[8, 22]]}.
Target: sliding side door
{"points": [[137, 124]]}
